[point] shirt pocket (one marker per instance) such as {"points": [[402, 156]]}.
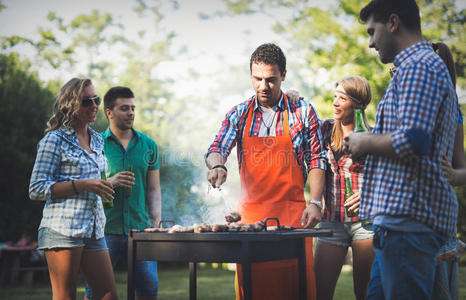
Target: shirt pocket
{"points": [[70, 161]]}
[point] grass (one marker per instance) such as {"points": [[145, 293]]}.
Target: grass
{"points": [[213, 284]]}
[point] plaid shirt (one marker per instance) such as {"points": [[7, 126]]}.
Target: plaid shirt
{"points": [[60, 158], [335, 175], [304, 132], [422, 97]]}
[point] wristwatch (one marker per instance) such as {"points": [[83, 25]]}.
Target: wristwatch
{"points": [[317, 203]]}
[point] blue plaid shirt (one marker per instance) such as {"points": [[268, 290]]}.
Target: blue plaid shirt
{"points": [[60, 158], [420, 108]]}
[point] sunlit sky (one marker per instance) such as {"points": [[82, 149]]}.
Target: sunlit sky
{"points": [[206, 41]]}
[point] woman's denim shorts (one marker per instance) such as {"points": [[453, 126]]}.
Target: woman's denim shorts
{"points": [[345, 233], [50, 239]]}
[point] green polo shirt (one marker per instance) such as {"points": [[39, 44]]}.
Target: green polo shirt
{"points": [[142, 152]]}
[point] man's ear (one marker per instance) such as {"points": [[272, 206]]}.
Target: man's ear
{"points": [[108, 112], [394, 22], [283, 75]]}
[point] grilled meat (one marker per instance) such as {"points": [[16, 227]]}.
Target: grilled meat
{"points": [[233, 217]]}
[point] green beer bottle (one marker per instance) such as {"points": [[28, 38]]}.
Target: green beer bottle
{"points": [[127, 192], [348, 193], [107, 203], [359, 125]]}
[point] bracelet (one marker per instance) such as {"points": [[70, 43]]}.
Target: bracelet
{"points": [[316, 203], [74, 187], [220, 166]]}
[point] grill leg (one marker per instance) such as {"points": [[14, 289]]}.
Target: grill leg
{"points": [[246, 265], [131, 261], [192, 281], [302, 271]]}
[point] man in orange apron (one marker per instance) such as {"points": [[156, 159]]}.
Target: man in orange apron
{"points": [[279, 145]]}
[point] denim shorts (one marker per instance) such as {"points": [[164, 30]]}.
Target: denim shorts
{"points": [[345, 233], [50, 239]]}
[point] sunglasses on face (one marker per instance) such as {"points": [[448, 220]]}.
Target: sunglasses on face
{"points": [[86, 102]]}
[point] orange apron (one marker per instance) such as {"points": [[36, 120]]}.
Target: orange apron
{"points": [[272, 185]]}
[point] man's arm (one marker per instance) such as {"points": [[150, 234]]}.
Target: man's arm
{"points": [[361, 143], [313, 213], [224, 141], [218, 175], [154, 197], [316, 157]]}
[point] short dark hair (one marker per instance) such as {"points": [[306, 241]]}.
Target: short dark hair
{"points": [[115, 93], [380, 10], [269, 54]]}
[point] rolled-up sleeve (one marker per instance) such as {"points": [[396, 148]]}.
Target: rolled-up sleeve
{"points": [[226, 137], [418, 104], [47, 160], [315, 154]]}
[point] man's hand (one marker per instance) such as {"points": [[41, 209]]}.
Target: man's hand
{"points": [[123, 179], [216, 177], [311, 216], [353, 203], [354, 143]]}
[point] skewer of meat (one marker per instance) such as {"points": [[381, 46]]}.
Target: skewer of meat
{"points": [[179, 228], [202, 228]]}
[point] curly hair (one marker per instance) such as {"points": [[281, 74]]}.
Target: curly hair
{"points": [[269, 54], [67, 104]]}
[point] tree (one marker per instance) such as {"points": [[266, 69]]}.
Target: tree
{"points": [[332, 41], [94, 45], [26, 107]]}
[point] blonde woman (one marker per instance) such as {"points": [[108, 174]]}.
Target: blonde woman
{"points": [[351, 92], [66, 175]]}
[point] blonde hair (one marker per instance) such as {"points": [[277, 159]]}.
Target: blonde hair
{"points": [[358, 90], [65, 109]]}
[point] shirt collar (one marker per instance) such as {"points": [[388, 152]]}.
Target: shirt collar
{"points": [[403, 55], [108, 133], [71, 135], [280, 104]]}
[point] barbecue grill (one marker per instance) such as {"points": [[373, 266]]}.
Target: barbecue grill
{"points": [[224, 247]]}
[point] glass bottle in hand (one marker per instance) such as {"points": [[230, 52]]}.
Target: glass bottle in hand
{"points": [[127, 191], [348, 193], [107, 203]]}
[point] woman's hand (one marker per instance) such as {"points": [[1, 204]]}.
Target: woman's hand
{"points": [[293, 96], [353, 203], [448, 170], [102, 188], [124, 179]]}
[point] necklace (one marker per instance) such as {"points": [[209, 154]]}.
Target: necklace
{"points": [[270, 125]]}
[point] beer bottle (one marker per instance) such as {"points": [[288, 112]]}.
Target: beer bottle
{"points": [[359, 125], [107, 203], [348, 193], [127, 192]]}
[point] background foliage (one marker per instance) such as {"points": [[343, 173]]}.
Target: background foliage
{"points": [[322, 45]]}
